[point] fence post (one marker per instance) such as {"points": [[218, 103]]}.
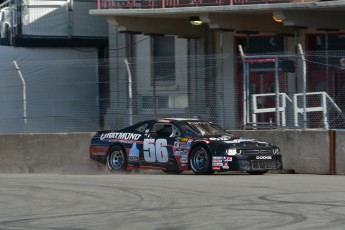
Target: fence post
{"points": [[304, 86], [277, 115], [24, 93], [245, 93], [130, 93]]}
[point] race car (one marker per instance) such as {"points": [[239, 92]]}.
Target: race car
{"points": [[175, 145]]}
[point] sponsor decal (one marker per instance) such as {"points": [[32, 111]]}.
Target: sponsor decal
{"points": [[185, 139], [183, 146], [264, 157], [184, 160], [97, 153], [235, 141], [134, 153], [217, 158], [216, 168], [227, 158], [133, 159], [176, 144], [217, 161], [177, 153], [122, 136], [217, 164], [225, 166], [166, 121], [188, 145], [198, 123], [184, 155], [183, 165], [219, 138]]}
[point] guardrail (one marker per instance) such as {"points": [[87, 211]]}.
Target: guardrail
{"points": [[5, 4], [144, 4], [322, 107], [282, 107], [322, 103]]}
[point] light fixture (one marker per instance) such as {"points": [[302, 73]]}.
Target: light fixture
{"points": [[195, 21], [276, 19]]}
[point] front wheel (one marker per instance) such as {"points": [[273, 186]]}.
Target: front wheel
{"points": [[200, 161], [117, 159]]}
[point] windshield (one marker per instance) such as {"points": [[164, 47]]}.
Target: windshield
{"points": [[202, 128]]}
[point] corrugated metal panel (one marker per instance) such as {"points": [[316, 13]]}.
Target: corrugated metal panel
{"points": [[61, 90], [85, 24], [59, 18]]}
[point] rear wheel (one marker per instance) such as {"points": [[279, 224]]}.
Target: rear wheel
{"points": [[257, 172], [117, 159], [200, 161]]}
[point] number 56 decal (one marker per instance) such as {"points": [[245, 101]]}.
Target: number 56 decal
{"points": [[155, 150]]}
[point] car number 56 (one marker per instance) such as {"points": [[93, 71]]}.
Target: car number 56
{"points": [[155, 150]]}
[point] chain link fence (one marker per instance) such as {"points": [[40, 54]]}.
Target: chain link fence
{"points": [[179, 86], [310, 86], [112, 94], [48, 96]]}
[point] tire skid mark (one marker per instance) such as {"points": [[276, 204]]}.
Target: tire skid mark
{"points": [[162, 204], [335, 203]]}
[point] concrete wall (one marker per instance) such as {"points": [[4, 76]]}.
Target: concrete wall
{"points": [[303, 151], [47, 153], [340, 152]]}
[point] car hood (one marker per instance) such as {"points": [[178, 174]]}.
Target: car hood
{"points": [[236, 141]]}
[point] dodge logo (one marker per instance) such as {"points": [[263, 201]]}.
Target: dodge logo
{"points": [[264, 157]]}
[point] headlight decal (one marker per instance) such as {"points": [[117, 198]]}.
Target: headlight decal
{"points": [[231, 152], [234, 152]]}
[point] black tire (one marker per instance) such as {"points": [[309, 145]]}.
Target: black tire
{"points": [[257, 172], [200, 161], [175, 172], [117, 159]]}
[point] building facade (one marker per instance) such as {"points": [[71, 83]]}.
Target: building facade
{"points": [[207, 71], [49, 69]]}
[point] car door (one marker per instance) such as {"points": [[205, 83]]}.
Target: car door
{"points": [[158, 147]]}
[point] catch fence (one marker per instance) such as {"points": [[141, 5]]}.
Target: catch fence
{"points": [[90, 95]]}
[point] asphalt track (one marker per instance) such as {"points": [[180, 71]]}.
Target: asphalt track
{"points": [[155, 201]]}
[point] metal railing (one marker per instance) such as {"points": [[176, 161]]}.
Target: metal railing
{"points": [[325, 102], [282, 108], [144, 4], [7, 22]]}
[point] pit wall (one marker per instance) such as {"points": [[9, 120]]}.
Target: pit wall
{"points": [[65, 153], [303, 151]]}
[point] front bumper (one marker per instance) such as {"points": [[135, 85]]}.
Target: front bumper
{"points": [[247, 163]]}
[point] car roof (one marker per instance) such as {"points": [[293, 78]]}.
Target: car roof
{"points": [[181, 119]]}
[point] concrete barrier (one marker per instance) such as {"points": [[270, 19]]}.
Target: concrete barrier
{"points": [[340, 152], [47, 153], [304, 151]]}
